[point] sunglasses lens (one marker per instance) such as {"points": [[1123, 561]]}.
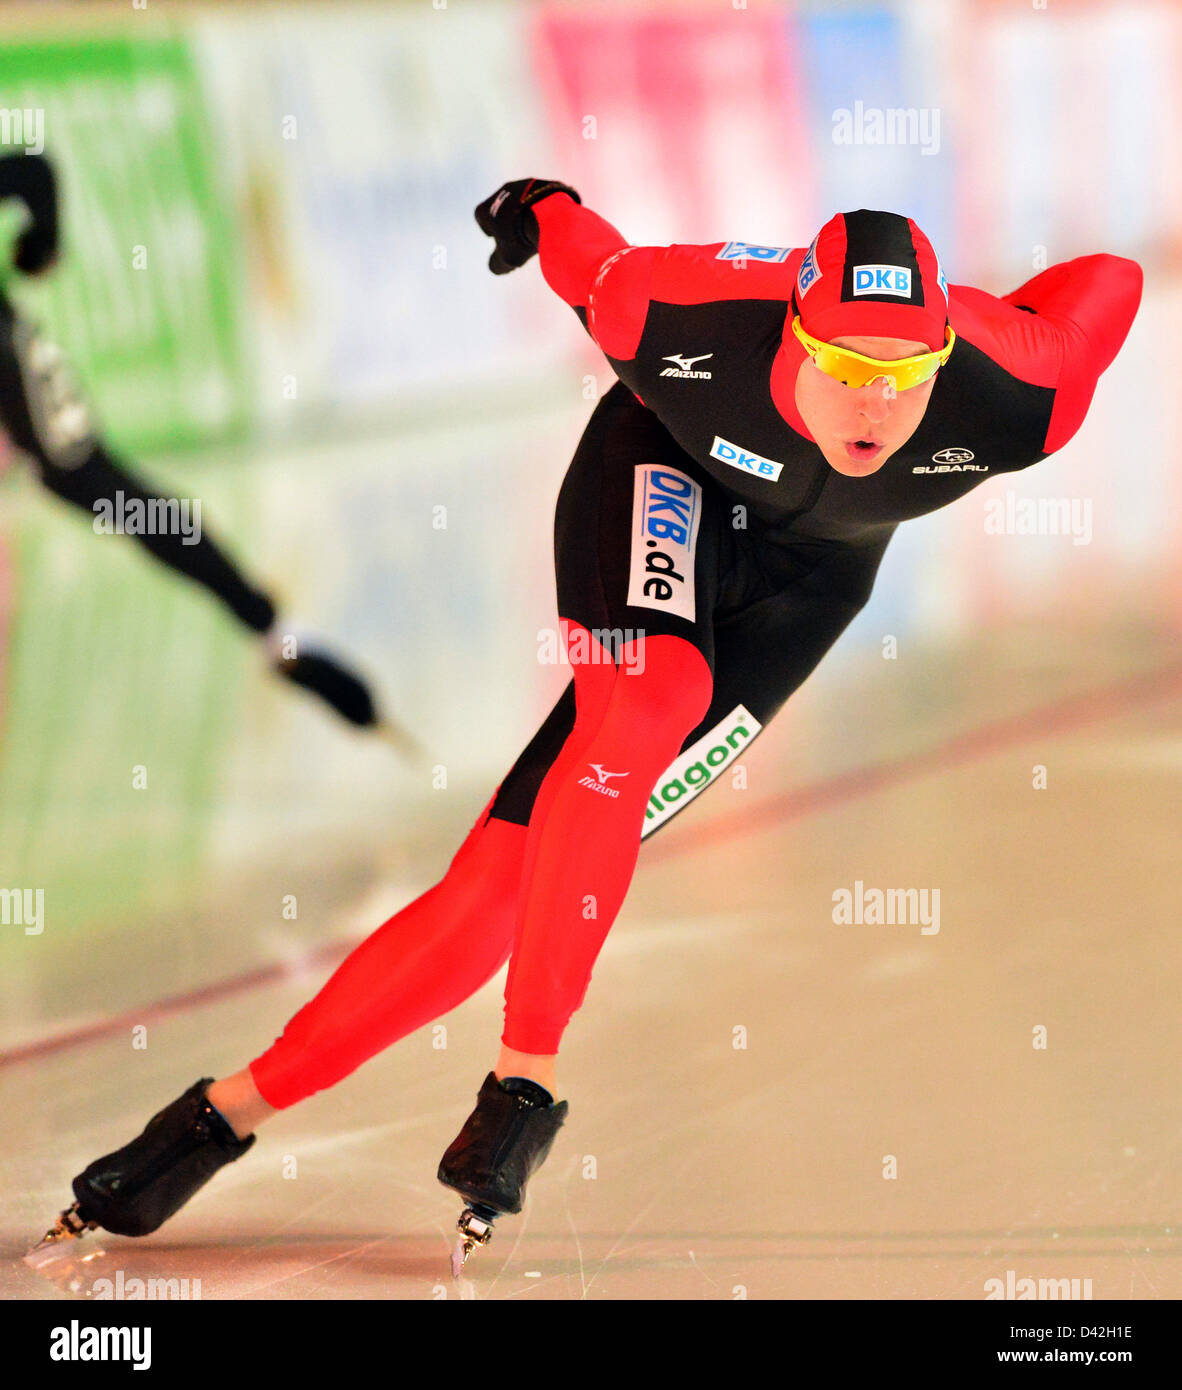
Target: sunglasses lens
{"points": [[854, 370]]}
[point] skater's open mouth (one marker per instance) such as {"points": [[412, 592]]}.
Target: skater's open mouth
{"points": [[863, 450]]}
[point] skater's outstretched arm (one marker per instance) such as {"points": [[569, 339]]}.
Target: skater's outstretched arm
{"points": [[584, 259]]}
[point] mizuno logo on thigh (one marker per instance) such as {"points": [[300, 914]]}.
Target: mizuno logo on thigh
{"points": [[666, 514]]}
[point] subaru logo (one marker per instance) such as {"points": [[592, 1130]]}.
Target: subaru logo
{"points": [[954, 455]]}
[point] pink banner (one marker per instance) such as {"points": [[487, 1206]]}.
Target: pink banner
{"points": [[680, 127]]}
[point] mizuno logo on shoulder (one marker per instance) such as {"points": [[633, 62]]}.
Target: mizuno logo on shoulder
{"points": [[684, 366]]}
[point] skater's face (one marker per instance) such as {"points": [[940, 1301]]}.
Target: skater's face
{"points": [[859, 428]]}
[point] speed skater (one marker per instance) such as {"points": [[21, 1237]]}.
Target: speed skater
{"points": [[779, 412]]}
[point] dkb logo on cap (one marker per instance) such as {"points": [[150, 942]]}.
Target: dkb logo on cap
{"points": [[810, 271], [882, 279]]}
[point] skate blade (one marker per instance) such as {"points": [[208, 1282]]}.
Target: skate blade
{"points": [[61, 1240], [401, 741], [475, 1228], [52, 1249]]}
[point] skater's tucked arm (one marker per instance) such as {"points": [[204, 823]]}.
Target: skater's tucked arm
{"points": [[1092, 301], [1061, 330]]}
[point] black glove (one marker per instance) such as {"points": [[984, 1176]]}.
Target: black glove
{"points": [[509, 219]]}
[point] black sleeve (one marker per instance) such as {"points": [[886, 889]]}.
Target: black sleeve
{"points": [[100, 477]]}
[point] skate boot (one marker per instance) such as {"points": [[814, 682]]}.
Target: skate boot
{"points": [[323, 675], [137, 1188], [337, 686], [504, 1140]]}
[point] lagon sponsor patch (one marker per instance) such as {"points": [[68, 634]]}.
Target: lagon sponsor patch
{"points": [[699, 765], [666, 514]]}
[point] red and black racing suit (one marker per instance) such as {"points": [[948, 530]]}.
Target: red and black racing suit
{"points": [[698, 512]]}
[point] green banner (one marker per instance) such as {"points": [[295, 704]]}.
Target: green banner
{"points": [[124, 686], [146, 300]]}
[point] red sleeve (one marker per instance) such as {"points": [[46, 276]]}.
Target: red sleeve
{"points": [[1092, 301], [586, 262]]}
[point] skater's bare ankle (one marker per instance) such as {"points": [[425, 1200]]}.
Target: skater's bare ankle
{"points": [[237, 1098], [531, 1065]]}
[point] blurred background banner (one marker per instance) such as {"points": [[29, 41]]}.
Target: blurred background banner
{"points": [[304, 174], [355, 142], [684, 123], [147, 297], [276, 295]]}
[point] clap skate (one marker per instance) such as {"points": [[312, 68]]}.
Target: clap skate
{"points": [[69, 1228], [504, 1140], [324, 675], [137, 1188]]}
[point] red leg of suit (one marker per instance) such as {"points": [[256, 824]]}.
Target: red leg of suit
{"points": [[443, 946], [419, 965], [585, 835]]}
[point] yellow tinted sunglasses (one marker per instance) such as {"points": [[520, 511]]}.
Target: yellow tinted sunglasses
{"points": [[852, 369]]}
